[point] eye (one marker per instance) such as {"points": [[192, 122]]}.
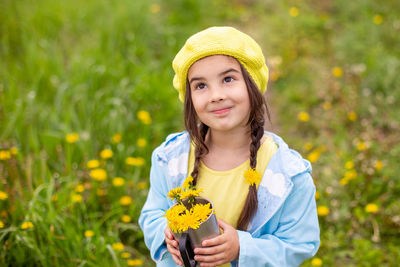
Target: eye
{"points": [[228, 79]]}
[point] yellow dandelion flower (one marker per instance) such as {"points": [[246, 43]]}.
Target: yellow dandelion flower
{"points": [[1, 224], [141, 142], [307, 146], [378, 165], [14, 150], [377, 19], [79, 188], [191, 193], [303, 116], [155, 8], [135, 161], [317, 195], [134, 262], [106, 153], [3, 195], [337, 72], [352, 116], [89, 233], [316, 262], [5, 154], [322, 210], [98, 174], [94, 163], [144, 116], [372, 208], [72, 138], [294, 11], [327, 105], [175, 193], [101, 192], [125, 200], [141, 185], [349, 164], [351, 174], [188, 220], [252, 177], [118, 246], [125, 255], [76, 198], [188, 182], [118, 181], [361, 146], [116, 138], [344, 181], [126, 218], [313, 156], [26, 225], [201, 211]]}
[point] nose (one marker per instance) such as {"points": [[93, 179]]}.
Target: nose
{"points": [[217, 93]]}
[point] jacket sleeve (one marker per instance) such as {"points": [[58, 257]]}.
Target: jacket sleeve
{"points": [[297, 235], [151, 219]]}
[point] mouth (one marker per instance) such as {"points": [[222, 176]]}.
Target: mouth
{"points": [[221, 111]]}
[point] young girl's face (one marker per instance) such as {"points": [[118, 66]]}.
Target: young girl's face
{"points": [[219, 93]]}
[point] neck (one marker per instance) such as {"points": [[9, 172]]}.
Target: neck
{"points": [[233, 140]]}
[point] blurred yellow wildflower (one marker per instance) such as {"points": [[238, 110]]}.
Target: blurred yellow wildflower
{"points": [[317, 195], [361, 146], [125, 200], [1, 224], [135, 161], [116, 138], [89, 233], [142, 185], [155, 8], [252, 177], [352, 115], [72, 138], [372, 208], [125, 255], [101, 192], [14, 150], [141, 142], [5, 154], [378, 165], [313, 156], [76, 198], [79, 188], [94, 163], [144, 116], [316, 262], [98, 174], [377, 19], [118, 181], [26, 225], [337, 72], [326, 105], [3, 195], [349, 164], [303, 116], [126, 218], [294, 11], [322, 210], [307, 146], [106, 153], [134, 262], [118, 246]]}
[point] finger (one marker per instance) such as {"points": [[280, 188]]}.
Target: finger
{"points": [[173, 251], [177, 260], [172, 243], [214, 241], [222, 224], [210, 258], [210, 250], [168, 233]]}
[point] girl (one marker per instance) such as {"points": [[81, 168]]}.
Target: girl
{"points": [[262, 191]]}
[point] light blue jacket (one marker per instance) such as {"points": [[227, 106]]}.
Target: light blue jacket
{"points": [[283, 232]]}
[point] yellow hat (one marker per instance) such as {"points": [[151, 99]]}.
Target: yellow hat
{"points": [[220, 41]]}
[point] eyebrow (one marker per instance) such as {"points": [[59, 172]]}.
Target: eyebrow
{"points": [[221, 74]]}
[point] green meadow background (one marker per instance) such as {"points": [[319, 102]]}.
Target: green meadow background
{"points": [[86, 95]]}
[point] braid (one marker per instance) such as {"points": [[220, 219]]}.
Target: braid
{"points": [[200, 150]]}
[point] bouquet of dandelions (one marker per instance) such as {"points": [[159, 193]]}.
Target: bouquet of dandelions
{"points": [[186, 213]]}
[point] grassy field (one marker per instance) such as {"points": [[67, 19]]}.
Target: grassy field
{"points": [[86, 95]]}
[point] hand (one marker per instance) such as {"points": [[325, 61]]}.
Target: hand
{"points": [[173, 246], [221, 249]]}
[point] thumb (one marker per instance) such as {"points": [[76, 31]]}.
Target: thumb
{"points": [[224, 225]]}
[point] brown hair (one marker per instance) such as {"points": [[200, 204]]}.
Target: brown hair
{"points": [[198, 130]]}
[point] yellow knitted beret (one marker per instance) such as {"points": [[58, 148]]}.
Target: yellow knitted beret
{"points": [[220, 41]]}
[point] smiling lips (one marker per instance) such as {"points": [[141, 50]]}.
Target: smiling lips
{"points": [[221, 111]]}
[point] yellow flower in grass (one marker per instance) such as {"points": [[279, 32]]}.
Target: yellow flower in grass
{"points": [[175, 193], [323, 210], [377, 19], [125, 200], [142, 185], [303, 116], [352, 116], [378, 165], [141, 142], [126, 218], [89, 233], [80, 188], [317, 195], [349, 164], [1, 224], [316, 262], [125, 255], [116, 138], [14, 150], [101, 192], [5, 154], [118, 246], [135, 161], [361, 146], [294, 11], [76, 198], [308, 146], [98, 174], [201, 211], [190, 193], [72, 138], [372, 208], [337, 72], [252, 177], [106, 153], [92, 164], [26, 225], [135, 262], [144, 117], [3, 195], [118, 181], [188, 182], [313, 156]]}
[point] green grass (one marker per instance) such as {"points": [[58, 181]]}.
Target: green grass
{"points": [[90, 67]]}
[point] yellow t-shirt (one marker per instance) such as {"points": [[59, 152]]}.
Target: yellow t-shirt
{"points": [[227, 189]]}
